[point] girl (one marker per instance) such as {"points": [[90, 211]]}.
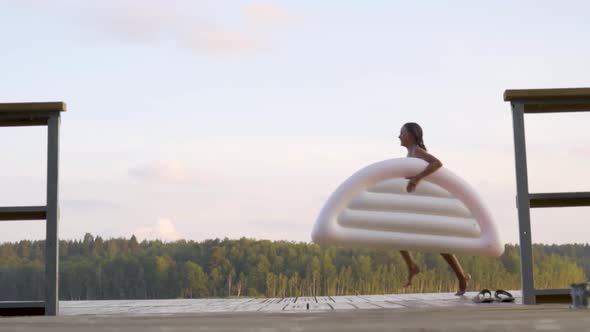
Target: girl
{"points": [[410, 136]]}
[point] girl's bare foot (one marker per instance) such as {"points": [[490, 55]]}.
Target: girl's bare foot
{"points": [[463, 283], [411, 273]]}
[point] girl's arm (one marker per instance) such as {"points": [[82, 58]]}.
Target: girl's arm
{"points": [[433, 165]]}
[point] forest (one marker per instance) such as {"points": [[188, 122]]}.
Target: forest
{"points": [[95, 269]]}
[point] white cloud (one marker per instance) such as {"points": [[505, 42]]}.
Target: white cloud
{"points": [[89, 204], [265, 12], [204, 27], [166, 170], [163, 230], [190, 26], [220, 42]]}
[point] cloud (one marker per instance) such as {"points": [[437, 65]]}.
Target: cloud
{"points": [[204, 27], [267, 13], [220, 42], [90, 204], [142, 23], [155, 24], [167, 170], [190, 28], [163, 230]]}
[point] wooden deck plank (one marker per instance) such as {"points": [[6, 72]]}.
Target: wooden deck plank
{"points": [[313, 306], [9, 213], [53, 106], [546, 94], [271, 305], [545, 200]]}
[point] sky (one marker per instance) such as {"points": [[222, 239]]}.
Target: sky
{"points": [[212, 119]]}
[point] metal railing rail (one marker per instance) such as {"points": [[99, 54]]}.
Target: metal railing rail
{"points": [[540, 101], [39, 114]]}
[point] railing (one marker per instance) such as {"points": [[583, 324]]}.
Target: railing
{"points": [[540, 101], [39, 114]]}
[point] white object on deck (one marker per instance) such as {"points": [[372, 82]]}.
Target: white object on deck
{"points": [[372, 209]]}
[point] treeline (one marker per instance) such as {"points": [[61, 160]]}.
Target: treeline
{"points": [[95, 269]]}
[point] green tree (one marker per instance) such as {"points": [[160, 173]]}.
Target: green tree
{"points": [[194, 280]]}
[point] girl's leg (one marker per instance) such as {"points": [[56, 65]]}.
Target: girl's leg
{"points": [[412, 267], [461, 275]]}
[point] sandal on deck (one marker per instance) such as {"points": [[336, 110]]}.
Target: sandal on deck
{"points": [[484, 296], [503, 296]]}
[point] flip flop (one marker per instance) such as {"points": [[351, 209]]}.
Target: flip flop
{"points": [[484, 296], [503, 296]]}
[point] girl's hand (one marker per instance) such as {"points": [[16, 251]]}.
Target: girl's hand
{"points": [[412, 183]]}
